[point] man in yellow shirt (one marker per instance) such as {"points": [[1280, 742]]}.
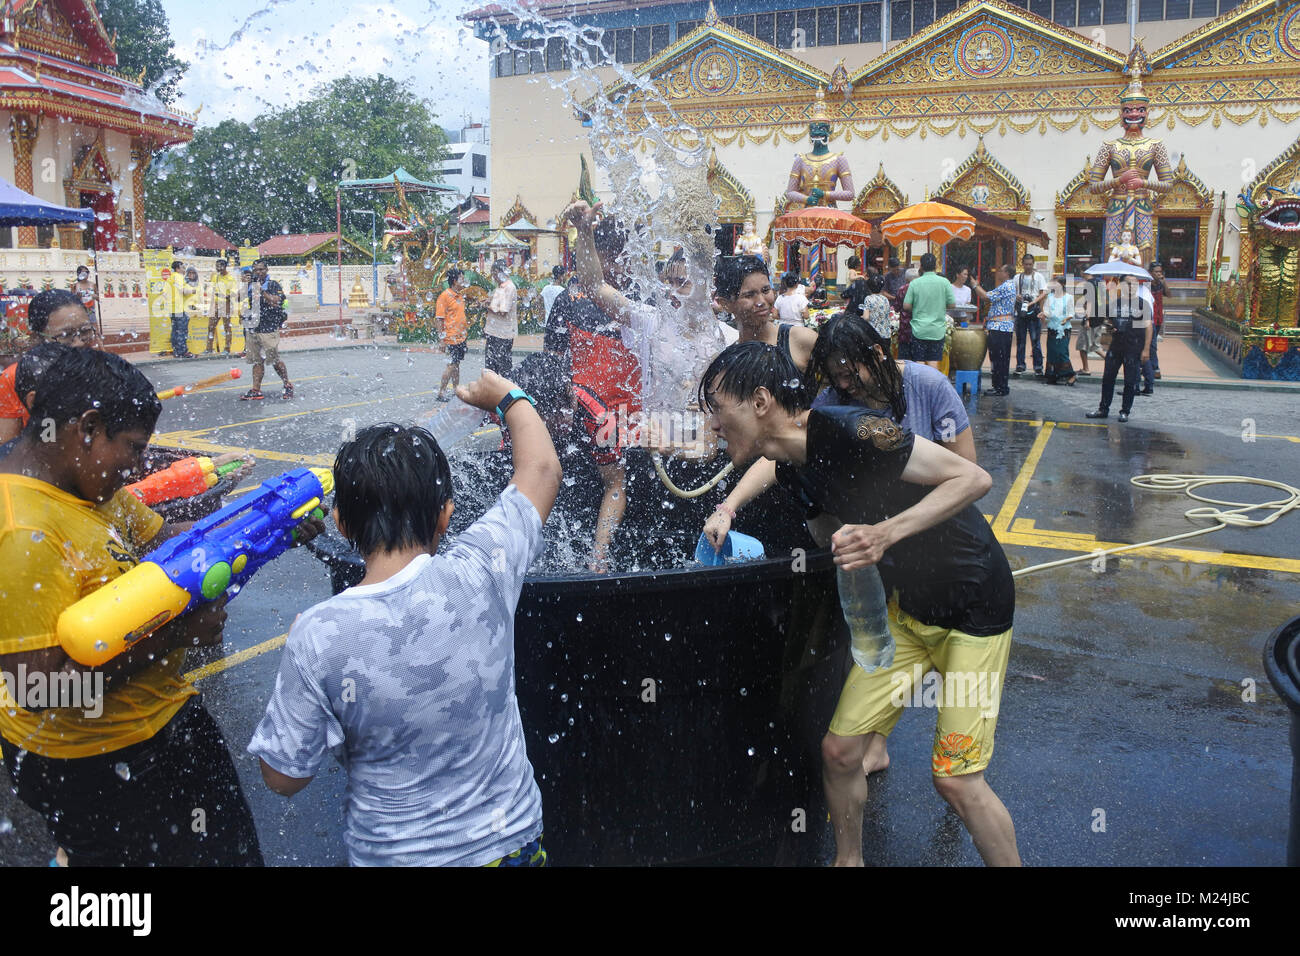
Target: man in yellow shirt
{"points": [[118, 758], [225, 295], [182, 297]]}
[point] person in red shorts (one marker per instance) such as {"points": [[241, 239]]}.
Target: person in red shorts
{"points": [[54, 316]]}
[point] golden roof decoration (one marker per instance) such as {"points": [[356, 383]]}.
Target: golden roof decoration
{"points": [[1134, 66], [516, 212], [988, 38], [880, 187], [1283, 173], [1232, 39], [981, 160], [736, 202]]}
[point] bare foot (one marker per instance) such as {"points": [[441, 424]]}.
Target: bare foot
{"points": [[877, 756]]}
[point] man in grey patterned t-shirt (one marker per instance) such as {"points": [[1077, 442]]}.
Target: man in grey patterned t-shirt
{"points": [[408, 678]]}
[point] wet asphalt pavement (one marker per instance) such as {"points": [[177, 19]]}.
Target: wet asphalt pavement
{"points": [[1123, 736]]}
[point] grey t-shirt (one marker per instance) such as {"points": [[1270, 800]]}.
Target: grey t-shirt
{"points": [[410, 683], [934, 409]]}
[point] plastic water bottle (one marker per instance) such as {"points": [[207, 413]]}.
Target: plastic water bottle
{"points": [[454, 422], [866, 612]]}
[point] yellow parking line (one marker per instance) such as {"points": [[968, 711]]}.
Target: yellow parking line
{"points": [[1002, 523], [230, 660], [314, 411]]}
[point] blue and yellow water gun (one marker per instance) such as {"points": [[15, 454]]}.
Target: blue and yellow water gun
{"points": [[215, 557]]}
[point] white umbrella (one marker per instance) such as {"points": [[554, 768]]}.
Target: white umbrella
{"points": [[1117, 268]]}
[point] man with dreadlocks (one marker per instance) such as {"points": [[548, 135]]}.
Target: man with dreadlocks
{"points": [[878, 495]]}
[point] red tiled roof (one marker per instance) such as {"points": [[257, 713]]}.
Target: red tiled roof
{"points": [[183, 235], [475, 218], [302, 243]]}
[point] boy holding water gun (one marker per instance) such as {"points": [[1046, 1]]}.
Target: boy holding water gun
{"points": [[408, 678], [117, 778]]}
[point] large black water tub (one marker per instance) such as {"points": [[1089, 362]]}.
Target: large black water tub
{"points": [[676, 716]]}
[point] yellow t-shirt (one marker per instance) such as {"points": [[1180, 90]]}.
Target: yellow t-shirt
{"points": [[55, 549], [222, 286]]}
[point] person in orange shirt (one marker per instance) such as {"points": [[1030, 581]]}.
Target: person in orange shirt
{"points": [[54, 316], [450, 313]]}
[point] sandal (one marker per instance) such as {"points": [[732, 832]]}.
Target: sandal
{"points": [[288, 391], [1073, 380], [252, 395]]}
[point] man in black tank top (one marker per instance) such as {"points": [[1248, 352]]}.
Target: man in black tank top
{"points": [[906, 505]]}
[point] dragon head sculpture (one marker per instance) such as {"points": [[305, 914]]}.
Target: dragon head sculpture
{"points": [[1272, 220]]}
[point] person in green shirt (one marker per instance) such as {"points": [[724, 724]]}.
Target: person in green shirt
{"points": [[929, 297]]}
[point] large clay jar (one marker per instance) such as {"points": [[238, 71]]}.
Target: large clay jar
{"points": [[969, 344]]}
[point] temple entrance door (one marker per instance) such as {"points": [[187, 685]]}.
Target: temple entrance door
{"points": [[980, 255], [1083, 240], [1176, 246], [105, 227]]}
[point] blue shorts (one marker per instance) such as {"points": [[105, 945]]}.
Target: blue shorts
{"points": [[924, 350]]}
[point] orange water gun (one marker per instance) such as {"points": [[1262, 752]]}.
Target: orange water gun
{"points": [[184, 478], [180, 390]]}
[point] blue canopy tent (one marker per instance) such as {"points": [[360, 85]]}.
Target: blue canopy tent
{"points": [[18, 208]]}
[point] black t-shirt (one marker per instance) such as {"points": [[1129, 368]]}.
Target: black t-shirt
{"points": [[272, 318], [954, 575]]}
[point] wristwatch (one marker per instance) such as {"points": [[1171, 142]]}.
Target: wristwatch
{"points": [[514, 395]]}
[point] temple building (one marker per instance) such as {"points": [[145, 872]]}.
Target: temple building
{"points": [[80, 133], [999, 106]]}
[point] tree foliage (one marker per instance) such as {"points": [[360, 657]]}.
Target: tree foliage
{"points": [[144, 42], [277, 174]]}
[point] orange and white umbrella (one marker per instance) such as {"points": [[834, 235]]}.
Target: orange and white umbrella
{"points": [[818, 224], [930, 220]]}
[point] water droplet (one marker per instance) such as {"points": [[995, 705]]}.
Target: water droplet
{"points": [[38, 535], [579, 617], [743, 692], [750, 751], [564, 697], [101, 645], [6, 825], [668, 637], [122, 770], [553, 739]]}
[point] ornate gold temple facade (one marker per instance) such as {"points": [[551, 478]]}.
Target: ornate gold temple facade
{"points": [[990, 105]]}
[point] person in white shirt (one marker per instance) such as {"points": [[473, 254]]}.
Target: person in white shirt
{"points": [[791, 305], [1031, 290], [502, 321], [553, 290]]}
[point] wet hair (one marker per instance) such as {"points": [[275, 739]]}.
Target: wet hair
{"points": [[45, 304], [894, 263], [177, 264], [1006, 269], [610, 236], [557, 273], [856, 294], [223, 262], [746, 366], [545, 376], [855, 340], [391, 483], [853, 263], [788, 281], [72, 381], [452, 275], [32, 365], [730, 272], [958, 271], [928, 262], [875, 284]]}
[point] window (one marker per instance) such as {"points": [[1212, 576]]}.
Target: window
{"points": [[900, 20], [537, 58], [764, 29], [557, 54], [478, 163], [1089, 13], [1064, 12], [806, 24], [745, 24], [828, 19], [784, 29], [521, 62], [1177, 9], [658, 38], [623, 45], [922, 14], [1226, 5], [686, 26], [871, 23], [849, 24], [1205, 8], [1114, 11], [6, 238], [1041, 7], [944, 7], [641, 45], [505, 64], [45, 235], [1151, 9]]}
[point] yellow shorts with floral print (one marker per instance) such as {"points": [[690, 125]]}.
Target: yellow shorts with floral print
{"points": [[959, 675]]}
